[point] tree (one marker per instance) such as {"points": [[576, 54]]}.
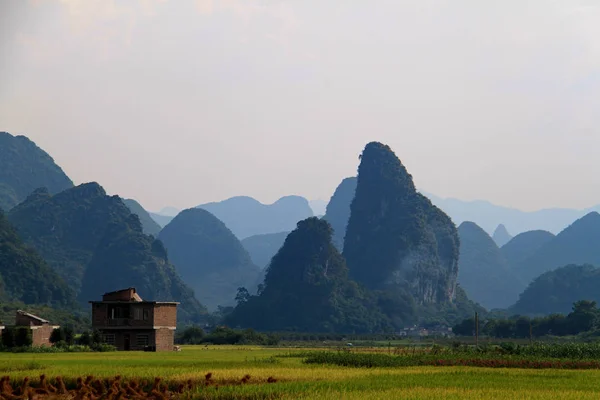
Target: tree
{"points": [[242, 295], [8, 337], [584, 316], [23, 337], [57, 335]]}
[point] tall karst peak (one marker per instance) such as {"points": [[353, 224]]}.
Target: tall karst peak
{"points": [[501, 235], [395, 236]]}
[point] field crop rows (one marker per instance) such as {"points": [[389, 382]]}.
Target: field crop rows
{"points": [[257, 373]]}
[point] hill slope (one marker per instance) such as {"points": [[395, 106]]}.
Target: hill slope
{"points": [[307, 289], [577, 244], [208, 256], [262, 248], [150, 226], [396, 239], [97, 245], [247, 217], [524, 245], [338, 210], [25, 167], [483, 272], [555, 291], [25, 276]]}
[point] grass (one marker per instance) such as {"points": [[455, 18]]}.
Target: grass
{"points": [[298, 380]]}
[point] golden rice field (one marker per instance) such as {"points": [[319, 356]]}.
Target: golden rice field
{"points": [[295, 380]]}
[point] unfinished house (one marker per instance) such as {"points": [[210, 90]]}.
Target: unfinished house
{"points": [[41, 329], [130, 323]]}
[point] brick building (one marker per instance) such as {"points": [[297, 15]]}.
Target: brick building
{"points": [[130, 323], [41, 329]]}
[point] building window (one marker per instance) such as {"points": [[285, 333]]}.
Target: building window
{"points": [[146, 314], [109, 339], [143, 340], [137, 313]]}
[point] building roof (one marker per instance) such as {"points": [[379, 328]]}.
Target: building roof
{"points": [[35, 317], [128, 295], [136, 297]]}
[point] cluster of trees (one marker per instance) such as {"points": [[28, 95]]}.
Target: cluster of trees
{"points": [[584, 317], [224, 335], [15, 336]]}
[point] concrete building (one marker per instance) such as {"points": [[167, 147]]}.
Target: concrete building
{"points": [[130, 323]]}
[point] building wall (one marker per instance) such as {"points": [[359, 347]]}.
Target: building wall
{"points": [[138, 338], [100, 314], [165, 339], [41, 335], [165, 315]]}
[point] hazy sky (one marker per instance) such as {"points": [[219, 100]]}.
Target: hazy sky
{"points": [[180, 102]]}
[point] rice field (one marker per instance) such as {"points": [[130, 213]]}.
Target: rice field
{"points": [[274, 377]]}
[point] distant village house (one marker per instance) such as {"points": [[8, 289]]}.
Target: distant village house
{"points": [[41, 329], [130, 323]]}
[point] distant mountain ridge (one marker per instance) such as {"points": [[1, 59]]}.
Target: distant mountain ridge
{"points": [[489, 216], [246, 216], [577, 244], [25, 167], [483, 271]]}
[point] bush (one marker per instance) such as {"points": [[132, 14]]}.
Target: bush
{"points": [[23, 337]]}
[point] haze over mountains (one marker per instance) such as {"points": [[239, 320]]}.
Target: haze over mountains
{"points": [[383, 255], [247, 217], [489, 216]]}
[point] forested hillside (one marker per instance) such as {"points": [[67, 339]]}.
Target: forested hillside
{"points": [[25, 276], [307, 289], [150, 226], [555, 291], [209, 257], [82, 233], [25, 167]]}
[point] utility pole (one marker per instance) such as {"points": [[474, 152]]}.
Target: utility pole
{"points": [[476, 329]]}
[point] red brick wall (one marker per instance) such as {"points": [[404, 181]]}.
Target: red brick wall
{"points": [[165, 315], [165, 339], [41, 336]]}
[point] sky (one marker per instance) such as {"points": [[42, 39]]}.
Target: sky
{"points": [[182, 102]]}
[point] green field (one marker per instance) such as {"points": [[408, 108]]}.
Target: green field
{"points": [[296, 380]]}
